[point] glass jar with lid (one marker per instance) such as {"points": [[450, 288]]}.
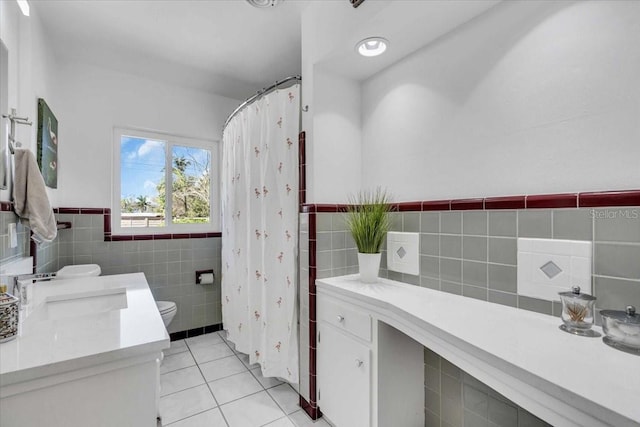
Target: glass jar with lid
{"points": [[577, 312], [622, 329]]}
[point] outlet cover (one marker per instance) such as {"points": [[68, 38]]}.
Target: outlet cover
{"points": [[549, 266], [403, 252]]}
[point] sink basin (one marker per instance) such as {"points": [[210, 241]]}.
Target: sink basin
{"points": [[84, 303]]}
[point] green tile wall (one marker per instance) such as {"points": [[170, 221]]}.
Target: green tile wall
{"points": [[474, 254], [8, 254], [169, 266], [454, 398], [336, 253]]}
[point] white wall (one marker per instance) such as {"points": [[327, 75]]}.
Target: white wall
{"points": [[94, 100], [529, 98], [32, 71], [333, 126], [337, 137], [88, 101]]}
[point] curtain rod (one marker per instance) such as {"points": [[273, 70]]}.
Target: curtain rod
{"points": [[258, 94]]}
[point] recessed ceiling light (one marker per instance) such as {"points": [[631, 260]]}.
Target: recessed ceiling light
{"points": [[372, 46], [24, 7], [264, 3]]}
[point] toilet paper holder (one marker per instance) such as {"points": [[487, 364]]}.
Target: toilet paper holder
{"points": [[205, 277]]}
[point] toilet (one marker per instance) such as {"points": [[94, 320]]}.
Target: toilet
{"points": [[78, 271], [168, 310]]}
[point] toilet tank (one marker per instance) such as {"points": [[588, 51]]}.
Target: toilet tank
{"points": [[81, 270]]}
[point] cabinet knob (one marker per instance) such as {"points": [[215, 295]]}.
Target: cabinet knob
{"points": [[340, 318], [359, 363]]}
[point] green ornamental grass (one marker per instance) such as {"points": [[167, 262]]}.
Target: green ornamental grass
{"points": [[368, 219]]}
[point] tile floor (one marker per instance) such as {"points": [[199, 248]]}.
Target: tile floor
{"points": [[205, 383]]}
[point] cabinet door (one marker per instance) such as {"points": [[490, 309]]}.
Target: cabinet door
{"points": [[344, 379]]}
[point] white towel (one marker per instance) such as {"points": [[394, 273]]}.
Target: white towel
{"points": [[30, 199]]}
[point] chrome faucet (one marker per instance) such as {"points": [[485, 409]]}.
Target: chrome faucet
{"points": [[20, 287]]}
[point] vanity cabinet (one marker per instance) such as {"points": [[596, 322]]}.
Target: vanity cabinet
{"points": [[344, 363], [359, 383], [345, 368], [518, 358], [96, 363]]}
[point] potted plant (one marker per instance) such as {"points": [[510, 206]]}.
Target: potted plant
{"points": [[368, 220]]}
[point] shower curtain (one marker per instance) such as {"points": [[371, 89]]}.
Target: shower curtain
{"points": [[260, 232]]}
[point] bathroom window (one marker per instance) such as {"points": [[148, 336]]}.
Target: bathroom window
{"points": [[163, 184]]}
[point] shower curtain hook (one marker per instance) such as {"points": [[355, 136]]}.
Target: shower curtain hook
{"points": [[305, 108]]}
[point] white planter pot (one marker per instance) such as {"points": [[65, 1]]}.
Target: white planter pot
{"points": [[369, 265]]}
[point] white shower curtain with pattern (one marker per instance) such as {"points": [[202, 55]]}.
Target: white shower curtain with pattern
{"points": [[260, 232]]}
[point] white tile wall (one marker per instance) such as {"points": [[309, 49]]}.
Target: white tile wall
{"points": [[403, 252], [572, 257]]}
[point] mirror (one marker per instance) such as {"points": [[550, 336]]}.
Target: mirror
{"points": [[4, 109]]}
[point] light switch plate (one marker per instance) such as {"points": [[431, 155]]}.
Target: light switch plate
{"points": [[549, 266], [13, 235], [403, 252]]}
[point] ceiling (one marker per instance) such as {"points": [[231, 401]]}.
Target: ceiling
{"points": [[224, 46], [409, 25], [233, 49]]}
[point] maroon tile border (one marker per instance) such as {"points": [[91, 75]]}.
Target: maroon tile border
{"points": [[409, 206], [569, 200], [181, 236], [119, 239], [509, 202], [33, 251], [73, 211], [536, 201], [91, 211], [158, 237], [328, 208], [311, 407], [609, 198], [108, 237], [312, 232], [84, 211], [436, 205], [312, 410], [467, 204], [302, 168], [106, 224], [308, 208], [6, 206]]}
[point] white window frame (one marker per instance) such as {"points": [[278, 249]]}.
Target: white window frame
{"points": [[170, 140]]}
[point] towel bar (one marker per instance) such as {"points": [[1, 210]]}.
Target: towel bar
{"points": [[12, 134]]}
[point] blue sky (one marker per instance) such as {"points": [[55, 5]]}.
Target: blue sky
{"points": [[143, 161]]}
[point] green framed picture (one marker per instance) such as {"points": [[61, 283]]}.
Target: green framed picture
{"points": [[47, 144]]}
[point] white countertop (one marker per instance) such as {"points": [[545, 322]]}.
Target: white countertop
{"points": [[68, 342], [582, 372]]}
